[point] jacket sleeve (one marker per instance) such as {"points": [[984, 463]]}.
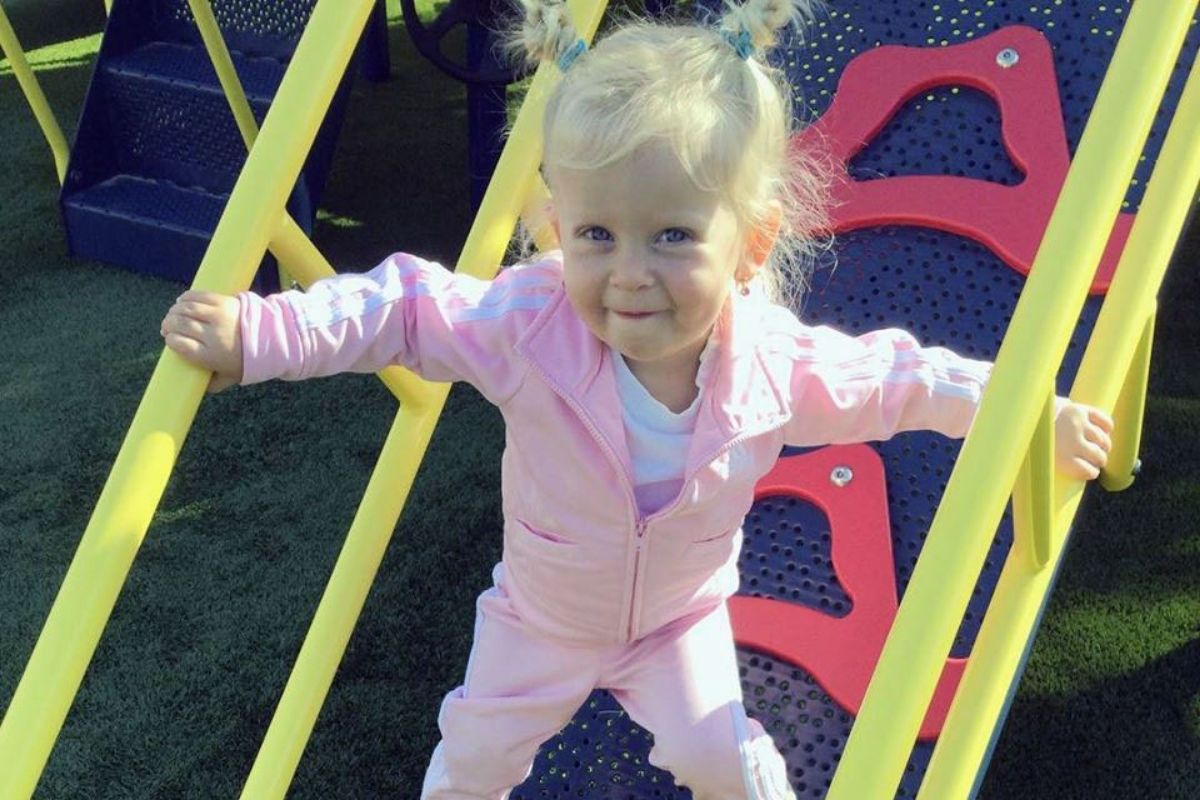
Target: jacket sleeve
{"points": [[855, 389], [407, 311]]}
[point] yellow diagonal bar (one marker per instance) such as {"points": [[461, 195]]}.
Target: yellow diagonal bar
{"points": [[391, 482], [1130, 409], [295, 252], [1033, 492], [11, 48], [1116, 346], [978, 489], [218, 53], [139, 475]]}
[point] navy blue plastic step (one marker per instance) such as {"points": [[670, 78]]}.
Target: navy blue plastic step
{"points": [[152, 226], [137, 199], [158, 151], [168, 116], [188, 66]]}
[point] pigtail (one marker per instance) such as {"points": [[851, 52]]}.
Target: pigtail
{"points": [[753, 26], [545, 34]]}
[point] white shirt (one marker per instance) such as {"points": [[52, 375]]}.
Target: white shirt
{"points": [[657, 437]]}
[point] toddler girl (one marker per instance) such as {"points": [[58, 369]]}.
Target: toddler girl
{"points": [[647, 378]]}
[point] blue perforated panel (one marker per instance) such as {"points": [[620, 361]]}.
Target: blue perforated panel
{"points": [[947, 290], [786, 555]]}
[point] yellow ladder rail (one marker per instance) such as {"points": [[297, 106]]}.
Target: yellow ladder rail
{"points": [[1114, 366], [28, 82], [403, 452], [978, 489], [296, 253], [139, 475]]}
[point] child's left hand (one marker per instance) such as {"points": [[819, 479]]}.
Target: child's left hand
{"points": [[1082, 439]]}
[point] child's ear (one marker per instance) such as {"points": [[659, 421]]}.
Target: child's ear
{"points": [[760, 240]]}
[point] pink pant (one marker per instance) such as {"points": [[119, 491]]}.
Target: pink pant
{"points": [[680, 683]]}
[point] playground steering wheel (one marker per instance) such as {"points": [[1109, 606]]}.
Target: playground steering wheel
{"points": [[428, 40]]}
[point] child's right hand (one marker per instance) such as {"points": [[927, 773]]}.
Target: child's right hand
{"points": [[203, 328]]}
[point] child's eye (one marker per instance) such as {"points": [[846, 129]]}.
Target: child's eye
{"points": [[675, 236], [594, 233]]}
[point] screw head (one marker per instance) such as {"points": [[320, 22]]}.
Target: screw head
{"points": [[840, 476], [1008, 57]]}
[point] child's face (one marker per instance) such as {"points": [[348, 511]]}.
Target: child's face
{"points": [[648, 258]]}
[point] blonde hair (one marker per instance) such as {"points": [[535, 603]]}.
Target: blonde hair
{"points": [[729, 120]]}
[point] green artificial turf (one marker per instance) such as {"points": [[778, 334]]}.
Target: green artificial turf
{"points": [[200, 644]]}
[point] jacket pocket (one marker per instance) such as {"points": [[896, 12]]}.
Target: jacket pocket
{"points": [[545, 536], [718, 538], [715, 550]]}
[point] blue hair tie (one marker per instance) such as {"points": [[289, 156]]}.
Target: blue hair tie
{"points": [[740, 42], [570, 54]]}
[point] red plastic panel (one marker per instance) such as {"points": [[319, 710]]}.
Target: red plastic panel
{"points": [[1010, 220], [839, 652]]}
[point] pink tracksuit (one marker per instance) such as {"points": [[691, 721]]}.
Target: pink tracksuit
{"points": [[590, 592]]}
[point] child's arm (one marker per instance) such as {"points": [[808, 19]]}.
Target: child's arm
{"points": [[870, 387], [406, 311], [866, 388]]}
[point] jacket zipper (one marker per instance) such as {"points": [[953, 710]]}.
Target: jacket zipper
{"points": [[633, 589], [639, 522]]}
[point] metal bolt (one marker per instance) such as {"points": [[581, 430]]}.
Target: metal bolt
{"points": [[841, 476], [1008, 57]]}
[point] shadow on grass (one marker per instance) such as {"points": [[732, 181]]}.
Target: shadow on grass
{"points": [[1133, 736]]}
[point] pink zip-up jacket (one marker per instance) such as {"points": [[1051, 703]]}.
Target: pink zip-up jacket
{"points": [[580, 562]]}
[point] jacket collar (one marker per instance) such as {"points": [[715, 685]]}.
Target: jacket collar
{"points": [[741, 395]]}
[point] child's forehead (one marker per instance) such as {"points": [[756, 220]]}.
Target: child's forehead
{"points": [[635, 194], [651, 173]]}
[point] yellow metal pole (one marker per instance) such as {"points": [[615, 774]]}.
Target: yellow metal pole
{"points": [[1113, 350], [140, 473], [346, 592], [1033, 493], [295, 252], [218, 53], [33, 93], [914, 654], [1118, 473]]}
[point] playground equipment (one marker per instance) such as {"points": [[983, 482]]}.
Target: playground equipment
{"points": [[1008, 447], [156, 152]]}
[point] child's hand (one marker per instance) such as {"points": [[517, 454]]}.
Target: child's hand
{"points": [[203, 328], [1082, 440]]}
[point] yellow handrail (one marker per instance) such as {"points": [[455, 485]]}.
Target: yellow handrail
{"points": [[1119, 472], [979, 487], [1117, 352], [139, 474], [384, 499], [28, 82], [1034, 489]]}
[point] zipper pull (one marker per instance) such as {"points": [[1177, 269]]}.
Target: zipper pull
{"points": [[641, 528]]}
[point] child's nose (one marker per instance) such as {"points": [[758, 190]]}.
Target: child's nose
{"points": [[630, 272]]}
